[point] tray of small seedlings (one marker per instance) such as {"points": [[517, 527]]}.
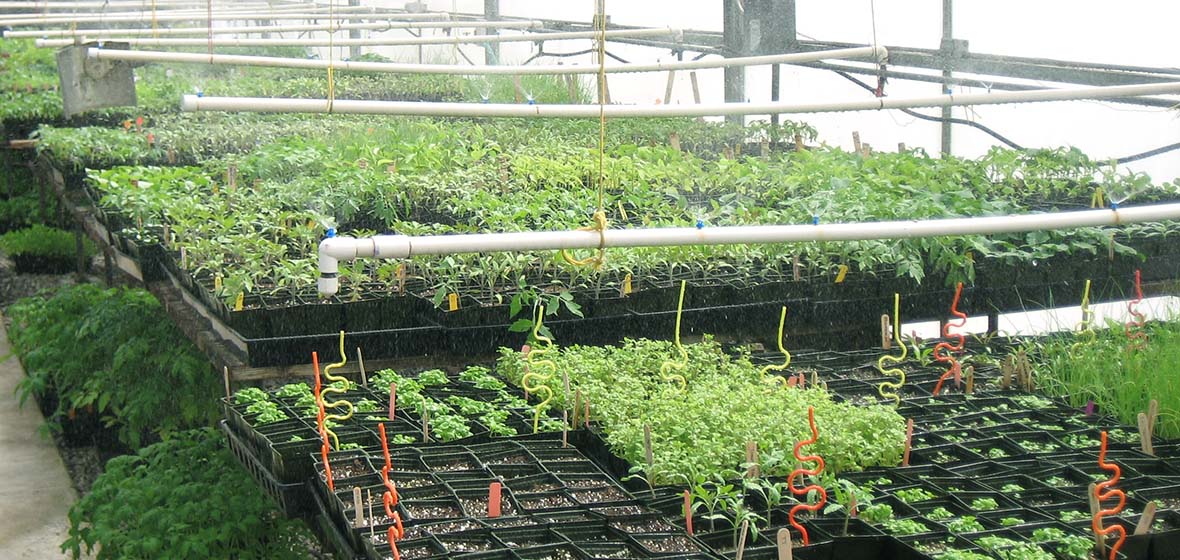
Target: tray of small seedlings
{"points": [[280, 426], [530, 498]]}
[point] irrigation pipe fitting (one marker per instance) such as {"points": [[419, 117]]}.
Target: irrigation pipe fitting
{"points": [[335, 249]]}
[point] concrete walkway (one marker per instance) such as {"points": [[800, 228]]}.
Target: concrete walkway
{"points": [[35, 490]]}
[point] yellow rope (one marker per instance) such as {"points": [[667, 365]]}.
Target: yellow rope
{"points": [[900, 373], [778, 379], [545, 344], [330, 389], [669, 364], [331, 54], [1086, 327], [600, 220]]}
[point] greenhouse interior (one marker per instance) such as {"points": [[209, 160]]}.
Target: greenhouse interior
{"points": [[589, 279]]}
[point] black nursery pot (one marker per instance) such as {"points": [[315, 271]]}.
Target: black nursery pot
{"points": [[40, 264]]}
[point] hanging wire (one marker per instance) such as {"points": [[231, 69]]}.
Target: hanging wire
{"points": [[600, 221]]}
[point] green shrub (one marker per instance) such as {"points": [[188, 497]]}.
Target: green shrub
{"points": [[116, 351], [43, 241], [182, 498]]}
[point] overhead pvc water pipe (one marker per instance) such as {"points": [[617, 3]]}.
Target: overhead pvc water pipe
{"points": [[175, 15], [332, 250], [378, 41], [389, 25], [412, 108], [877, 53], [41, 5]]}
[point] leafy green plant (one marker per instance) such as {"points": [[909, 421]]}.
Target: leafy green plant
{"points": [[911, 495], [984, 504], [904, 527], [43, 241], [877, 513], [116, 351], [965, 524], [939, 514], [184, 498], [626, 392]]}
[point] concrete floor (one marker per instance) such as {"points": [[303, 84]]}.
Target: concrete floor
{"points": [[35, 490]]}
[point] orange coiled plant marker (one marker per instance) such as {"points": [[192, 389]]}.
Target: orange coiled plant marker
{"points": [[389, 499], [1134, 328], [319, 418], [942, 347], [819, 467], [1102, 492]]}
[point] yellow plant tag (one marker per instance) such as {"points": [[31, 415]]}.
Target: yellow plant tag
{"points": [[842, 273], [217, 283], [626, 285], [453, 301], [238, 303]]}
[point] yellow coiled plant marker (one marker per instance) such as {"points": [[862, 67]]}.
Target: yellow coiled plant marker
{"points": [[1086, 327], [330, 389], [894, 359], [669, 364], [544, 346], [778, 379]]}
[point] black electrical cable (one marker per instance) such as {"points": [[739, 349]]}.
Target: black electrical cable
{"points": [[1000, 137]]}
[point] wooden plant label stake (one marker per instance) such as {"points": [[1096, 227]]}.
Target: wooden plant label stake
{"points": [[970, 379], [425, 425], [231, 177], [909, 440], [577, 406], [358, 507], [886, 336], [866, 150], [401, 278], [1145, 434], [360, 362], [741, 548], [814, 377], [674, 141], [1153, 413], [392, 399], [171, 155], [648, 456], [754, 470], [668, 89], [1145, 520], [688, 512], [796, 268], [586, 413], [1006, 372], [799, 147], [900, 147], [783, 539], [856, 147], [225, 374], [183, 257], [494, 500], [369, 494], [1095, 507], [565, 424], [764, 148]]}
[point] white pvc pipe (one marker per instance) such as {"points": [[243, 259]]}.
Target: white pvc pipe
{"points": [[61, 6], [270, 105], [878, 53], [391, 25], [335, 249], [376, 41], [175, 15]]}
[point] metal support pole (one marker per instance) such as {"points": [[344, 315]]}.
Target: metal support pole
{"points": [[734, 31], [491, 12], [775, 77], [354, 51], [947, 42]]}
